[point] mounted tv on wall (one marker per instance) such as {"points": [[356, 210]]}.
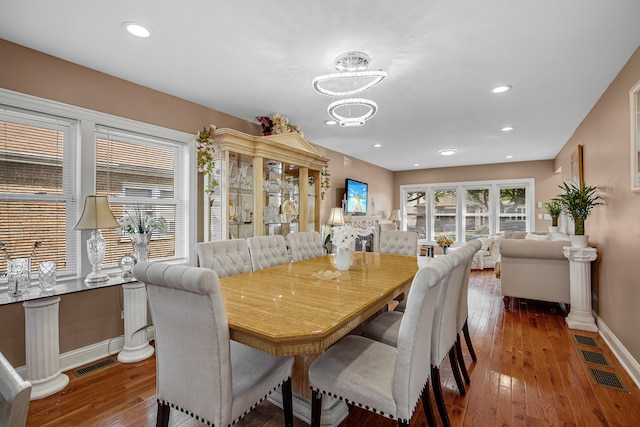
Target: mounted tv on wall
{"points": [[356, 194]]}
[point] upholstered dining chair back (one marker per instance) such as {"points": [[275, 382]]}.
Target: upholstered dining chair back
{"points": [[446, 315], [14, 396], [305, 244], [267, 251], [413, 362], [463, 311], [199, 370], [399, 242], [225, 257], [385, 379]]}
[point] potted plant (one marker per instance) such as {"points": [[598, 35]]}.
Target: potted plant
{"points": [[577, 201], [554, 209]]}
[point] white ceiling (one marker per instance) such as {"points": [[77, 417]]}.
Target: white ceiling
{"points": [[443, 57]]}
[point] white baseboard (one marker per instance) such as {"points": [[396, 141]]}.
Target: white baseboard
{"points": [[82, 356], [625, 358]]}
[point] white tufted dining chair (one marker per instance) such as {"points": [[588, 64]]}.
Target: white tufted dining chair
{"points": [[387, 380], [199, 370], [225, 257], [385, 327], [463, 311], [399, 242], [267, 251], [14, 396], [305, 244]]}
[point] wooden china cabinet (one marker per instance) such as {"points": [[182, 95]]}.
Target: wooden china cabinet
{"points": [[267, 185]]}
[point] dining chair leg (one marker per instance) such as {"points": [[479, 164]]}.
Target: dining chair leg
{"points": [[467, 339], [287, 403], [426, 405], [162, 418], [453, 359], [316, 408], [437, 393], [463, 367]]}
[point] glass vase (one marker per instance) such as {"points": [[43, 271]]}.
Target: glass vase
{"points": [[343, 259], [47, 274], [18, 270], [140, 245]]}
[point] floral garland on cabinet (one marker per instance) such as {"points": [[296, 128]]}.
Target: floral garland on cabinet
{"points": [[205, 145]]}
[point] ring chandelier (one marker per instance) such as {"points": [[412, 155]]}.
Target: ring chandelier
{"points": [[352, 78]]}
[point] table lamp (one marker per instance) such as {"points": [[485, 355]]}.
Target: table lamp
{"points": [[395, 217], [336, 217], [96, 214]]}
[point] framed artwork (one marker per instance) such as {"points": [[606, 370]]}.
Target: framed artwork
{"points": [[577, 174]]}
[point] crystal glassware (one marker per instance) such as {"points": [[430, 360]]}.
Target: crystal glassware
{"points": [[47, 275]]}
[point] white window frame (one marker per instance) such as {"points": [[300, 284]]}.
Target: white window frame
{"points": [[185, 190], [461, 187]]}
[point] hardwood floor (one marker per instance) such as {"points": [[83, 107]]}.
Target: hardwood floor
{"points": [[530, 372]]}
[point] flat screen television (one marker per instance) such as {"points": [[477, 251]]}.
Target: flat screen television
{"points": [[356, 195]]}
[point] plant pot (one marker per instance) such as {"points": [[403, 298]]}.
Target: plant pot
{"points": [[553, 229], [579, 241]]}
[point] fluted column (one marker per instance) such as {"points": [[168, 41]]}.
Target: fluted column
{"points": [[580, 315], [43, 347], [136, 345]]}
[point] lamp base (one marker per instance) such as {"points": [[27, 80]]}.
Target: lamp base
{"points": [[96, 277]]}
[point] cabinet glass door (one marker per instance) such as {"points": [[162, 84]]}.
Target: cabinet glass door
{"points": [[240, 207], [281, 198]]}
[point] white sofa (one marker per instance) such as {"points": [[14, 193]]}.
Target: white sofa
{"points": [[535, 268]]}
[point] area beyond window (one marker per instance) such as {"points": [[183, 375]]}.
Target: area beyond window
{"points": [[469, 210]]}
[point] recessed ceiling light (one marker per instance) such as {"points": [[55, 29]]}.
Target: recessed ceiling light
{"points": [[448, 151], [508, 156], [416, 164], [377, 145], [330, 122], [136, 30], [501, 89], [507, 129]]}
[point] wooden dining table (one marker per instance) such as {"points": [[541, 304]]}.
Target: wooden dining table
{"points": [[301, 308]]}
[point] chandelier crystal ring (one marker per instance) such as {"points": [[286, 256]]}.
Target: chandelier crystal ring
{"points": [[348, 105], [371, 78]]}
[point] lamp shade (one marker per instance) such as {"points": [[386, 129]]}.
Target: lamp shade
{"points": [[336, 217], [395, 215], [96, 214]]}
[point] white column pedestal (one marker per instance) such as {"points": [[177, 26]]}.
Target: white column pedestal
{"points": [[136, 345], [580, 315], [43, 347]]}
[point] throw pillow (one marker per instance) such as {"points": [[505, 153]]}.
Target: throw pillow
{"points": [[533, 236], [558, 236]]}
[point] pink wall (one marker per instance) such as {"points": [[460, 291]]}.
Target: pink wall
{"points": [[614, 228]]}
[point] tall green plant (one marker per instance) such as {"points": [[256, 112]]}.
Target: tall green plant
{"points": [[554, 209], [577, 201]]}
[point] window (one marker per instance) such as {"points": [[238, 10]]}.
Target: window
{"points": [[47, 166], [138, 173], [513, 208], [445, 212], [476, 220], [36, 188], [467, 211], [416, 213]]}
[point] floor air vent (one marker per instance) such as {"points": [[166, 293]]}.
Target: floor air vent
{"points": [[93, 367], [594, 358], [607, 379], [584, 340]]}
